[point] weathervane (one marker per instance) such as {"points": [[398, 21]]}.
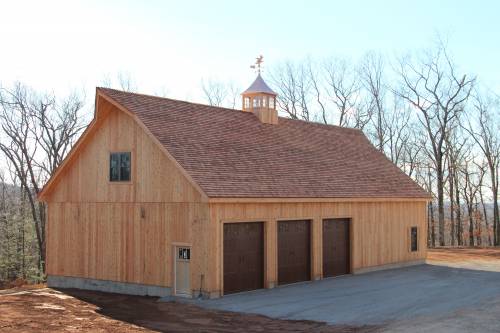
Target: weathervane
{"points": [[258, 63]]}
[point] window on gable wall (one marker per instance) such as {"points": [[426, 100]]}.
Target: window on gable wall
{"points": [[119, 167]]}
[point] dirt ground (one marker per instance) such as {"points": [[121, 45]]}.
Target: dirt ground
{"points": [[463, 254], [484, 259], [48, 310], [41, 309]]}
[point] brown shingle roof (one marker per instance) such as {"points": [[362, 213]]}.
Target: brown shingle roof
{"points": [[230, 153]]}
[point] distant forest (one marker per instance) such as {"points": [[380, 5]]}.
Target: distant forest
{"points": [[437, 123]]}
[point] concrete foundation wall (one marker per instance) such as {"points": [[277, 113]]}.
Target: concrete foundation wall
{"points": [[389, 266], [55, 281]]}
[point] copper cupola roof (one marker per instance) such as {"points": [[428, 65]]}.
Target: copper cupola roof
{"points": [[259, 86]]}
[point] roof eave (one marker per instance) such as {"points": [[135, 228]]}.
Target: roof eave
{"points": [[213, 199]]}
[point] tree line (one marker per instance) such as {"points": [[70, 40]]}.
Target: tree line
{"points": [[37, 131], [438, 124], [435, 122]]}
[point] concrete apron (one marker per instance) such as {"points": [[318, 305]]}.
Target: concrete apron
{"points": [[370, 299], [197, 299]]}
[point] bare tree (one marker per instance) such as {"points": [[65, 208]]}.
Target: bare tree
{"points": [[485, 131], [121, 81], [478, 218], [294, 89], [215, 92], [458, 204], [456, 147], [233, 98], [412, 151], [428, 182], [451, 186], [37, 132], [343, 88], [434, 88], [317, 87], [218, 93], [371, 72], [126, 82], [482, 170], [472, 183], [400, 141]]}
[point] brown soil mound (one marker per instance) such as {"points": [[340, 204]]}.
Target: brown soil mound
{"points": [[48, 310]]}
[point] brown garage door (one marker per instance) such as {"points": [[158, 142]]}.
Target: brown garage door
{"points": [[336, 247], [294, 256], [243, 256]]}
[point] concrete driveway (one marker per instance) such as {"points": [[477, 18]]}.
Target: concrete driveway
{"points": [[425, 298]]}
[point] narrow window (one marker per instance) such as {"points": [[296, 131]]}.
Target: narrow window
{"points": [[414, 239], [119, 167], [271, 102], [247, 102]]}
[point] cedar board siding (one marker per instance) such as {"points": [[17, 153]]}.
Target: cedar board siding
{"points": [[154, 177], [111, 241], [95, 228], [379, 232]]}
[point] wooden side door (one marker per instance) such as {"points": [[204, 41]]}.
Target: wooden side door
{"points": [[182, 271]]}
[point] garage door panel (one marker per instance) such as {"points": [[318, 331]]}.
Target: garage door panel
{"points": [[243, 256], [336, 247], [294, 256]]}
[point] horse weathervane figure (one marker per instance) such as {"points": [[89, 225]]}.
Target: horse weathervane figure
{"points": [[258, 63]]}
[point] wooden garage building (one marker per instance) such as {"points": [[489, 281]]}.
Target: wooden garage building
{"points": [[166, 197]]}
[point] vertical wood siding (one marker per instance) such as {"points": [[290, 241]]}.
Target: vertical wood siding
{"points": [[379, 231], [95, 227]]}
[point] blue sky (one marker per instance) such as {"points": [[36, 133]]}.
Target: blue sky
{"points": [[169, 46]]}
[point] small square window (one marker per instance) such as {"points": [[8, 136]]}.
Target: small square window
{"points": [[184, 253], [414, 239], [119, 167]]}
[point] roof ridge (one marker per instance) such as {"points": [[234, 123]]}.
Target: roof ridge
{"points": [[323, 124], [167, 98], [229, 109]]}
